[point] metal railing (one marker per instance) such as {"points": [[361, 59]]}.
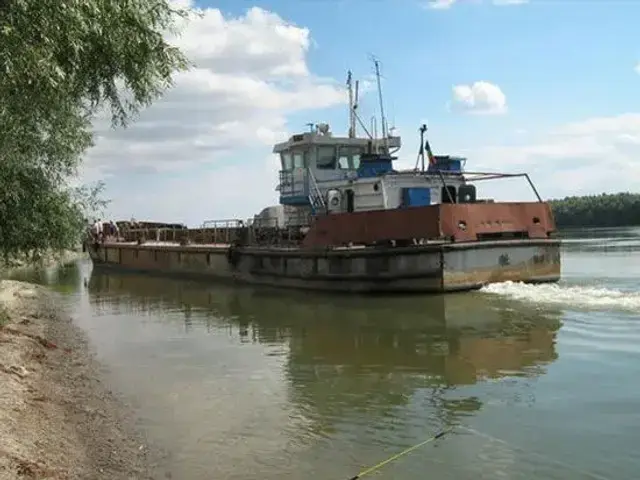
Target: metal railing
{"points": [[230, 223], [286, 184], [255, 231], [314, 193]]}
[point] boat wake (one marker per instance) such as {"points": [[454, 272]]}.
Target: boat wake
{"points": [[577, 297]]}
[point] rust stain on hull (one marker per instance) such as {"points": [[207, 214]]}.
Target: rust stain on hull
{"points": [[455, 222], [516, 264], [515, 273]]}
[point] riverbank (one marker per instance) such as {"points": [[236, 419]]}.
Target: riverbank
{"points": [[58, 420], [48, 260]]}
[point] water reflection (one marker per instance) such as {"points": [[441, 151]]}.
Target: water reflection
{"points": [[364, 353], [601, 240], [252, 383]]}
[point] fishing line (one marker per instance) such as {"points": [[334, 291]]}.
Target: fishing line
{"points": [[378, 466], [401, 454]]}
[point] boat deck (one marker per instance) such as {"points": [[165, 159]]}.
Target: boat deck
{"points": [[222, 246], [154, 243]]}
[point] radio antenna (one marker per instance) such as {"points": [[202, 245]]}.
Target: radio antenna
{"points": [[383, 126]]}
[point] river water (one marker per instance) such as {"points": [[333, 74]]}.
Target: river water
{"points": [[242, 383]]}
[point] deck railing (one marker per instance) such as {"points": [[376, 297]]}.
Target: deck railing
{"points": [[219, 232]]}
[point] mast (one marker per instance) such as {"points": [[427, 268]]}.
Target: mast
{"points": [[374, 129], [355, 105], [352, 117], [383, 125]]}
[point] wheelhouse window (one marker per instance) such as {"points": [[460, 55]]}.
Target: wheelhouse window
{"points": [[298, 159], [286, 159], [326, 158], [349, 158]]}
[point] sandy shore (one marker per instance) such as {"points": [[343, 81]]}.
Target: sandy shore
{"points": [[57, 418]]}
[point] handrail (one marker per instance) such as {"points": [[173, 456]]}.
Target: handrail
{"points": [[495, 175], [316, 189], [473, 177], [227, 223]]}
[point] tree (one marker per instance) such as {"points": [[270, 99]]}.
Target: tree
{"points": [[605, 210], [62, 62]]}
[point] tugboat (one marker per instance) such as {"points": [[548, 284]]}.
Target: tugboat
{"points": [[347, 221]]}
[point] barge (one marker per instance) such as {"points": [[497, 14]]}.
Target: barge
{"points": [[348, 221]]}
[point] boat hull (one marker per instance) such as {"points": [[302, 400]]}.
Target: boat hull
{"points": [[431, 268]]}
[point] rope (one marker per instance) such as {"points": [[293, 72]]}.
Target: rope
{"points": [[401, 454], [378, 466]]}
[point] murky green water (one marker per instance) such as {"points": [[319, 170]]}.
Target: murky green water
{"points": [[239, 383]]}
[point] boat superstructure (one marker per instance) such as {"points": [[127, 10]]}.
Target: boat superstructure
{"points": [[348, 220]]}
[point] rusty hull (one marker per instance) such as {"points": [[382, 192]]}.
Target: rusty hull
{"points": [[453, 222], [467, 246], [434, 268]]}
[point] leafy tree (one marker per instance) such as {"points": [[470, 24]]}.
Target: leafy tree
{"points": [[62, 62], [605, 210]]}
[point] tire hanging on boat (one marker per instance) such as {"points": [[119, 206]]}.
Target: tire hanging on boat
{"points": [[233, 255]]}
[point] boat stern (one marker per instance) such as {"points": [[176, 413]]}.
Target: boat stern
{"points": [[473, 265]]}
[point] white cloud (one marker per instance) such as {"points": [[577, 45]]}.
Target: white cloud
{"points": [[586, 157], [445, 4], [440, 4], [482, 98], [250, 74], [231, 191], [637, 69]]}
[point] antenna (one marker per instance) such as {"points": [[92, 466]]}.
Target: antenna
{"points": [[353, 105], [374, 129], [423, 130], [310, 125], [352, 120], [383, 125]]}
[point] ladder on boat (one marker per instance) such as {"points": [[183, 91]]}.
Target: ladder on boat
{"points": [[316, 200]]}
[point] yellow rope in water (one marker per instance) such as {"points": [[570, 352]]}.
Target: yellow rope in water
{"points": [[480, 434], [401, 454]]}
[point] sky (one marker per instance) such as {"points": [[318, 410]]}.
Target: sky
{"points": [[551, 88]]}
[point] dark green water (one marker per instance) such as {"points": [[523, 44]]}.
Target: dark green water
{"points": [[240, 383]]}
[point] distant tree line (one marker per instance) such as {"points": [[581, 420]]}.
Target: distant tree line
{"points": [[605, 210]]}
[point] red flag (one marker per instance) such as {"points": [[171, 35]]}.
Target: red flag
{"points": [[432, 160]]}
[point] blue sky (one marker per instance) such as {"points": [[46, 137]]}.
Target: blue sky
{"points": [[557, 63]]}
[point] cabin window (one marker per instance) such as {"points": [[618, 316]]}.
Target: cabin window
{"points": [[326, 158], [298, 160], [349, 158], [287, 161]]}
